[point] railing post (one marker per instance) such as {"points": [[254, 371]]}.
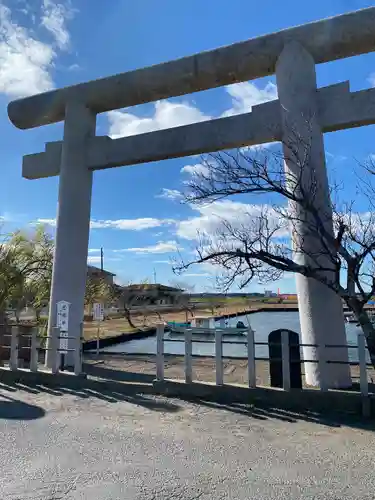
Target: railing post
{"points": [[34, 350], [285, 358], [78, 354], [219, 357], [366, 410], [322, 358], [54, 346], [188, 357], [13, 361], [251, 373], [160, 352]]}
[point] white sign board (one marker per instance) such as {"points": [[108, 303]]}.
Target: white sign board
{"points": [[98, 312], [62, 322]]}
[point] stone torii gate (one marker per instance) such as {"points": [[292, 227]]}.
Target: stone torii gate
{"points": [[291, 54]]}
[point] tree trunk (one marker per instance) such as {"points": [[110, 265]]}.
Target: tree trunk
{"points": [[128, 317], [17, 314]]}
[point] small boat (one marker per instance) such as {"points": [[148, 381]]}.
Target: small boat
{"points": [[206, 326]]}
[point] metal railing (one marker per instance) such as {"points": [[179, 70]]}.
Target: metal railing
{"points": [[35, 348], [252, 358]]}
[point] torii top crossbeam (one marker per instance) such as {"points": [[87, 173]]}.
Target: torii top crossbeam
{"points": [[327, 40]]}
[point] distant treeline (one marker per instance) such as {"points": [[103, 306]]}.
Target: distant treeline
{"points": [[224, 295]]}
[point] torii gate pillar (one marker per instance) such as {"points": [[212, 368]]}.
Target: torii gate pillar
{"points": [[320, 309], [73, 223]]}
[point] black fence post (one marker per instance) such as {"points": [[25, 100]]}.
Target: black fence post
{"points": [[275, 356]]}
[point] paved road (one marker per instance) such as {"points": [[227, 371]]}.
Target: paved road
{"points": [[107, 446]]}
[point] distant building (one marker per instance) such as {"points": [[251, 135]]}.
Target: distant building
{"points": [[149, 294], [292, 297], [269, 293], [96, 272]]}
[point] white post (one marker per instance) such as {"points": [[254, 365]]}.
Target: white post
{"points": [[98, 315], [285, 359], [78, 355], [322, 358], [160, 352], [77, 358], [188, 357], [251, 371], [13, 361], [219, 357], [98, 340], [34, 350], [362, 364], [53, 350]]}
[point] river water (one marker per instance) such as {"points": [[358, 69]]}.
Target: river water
{"points": [[262, 323]]}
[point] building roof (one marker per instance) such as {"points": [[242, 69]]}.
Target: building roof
{"points": [[152, 286], [99, 271]]}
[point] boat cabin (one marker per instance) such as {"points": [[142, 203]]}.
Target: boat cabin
{"points": [[203, 322]]}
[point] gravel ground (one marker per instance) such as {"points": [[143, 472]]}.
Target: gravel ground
{"points": [[61, 444]]}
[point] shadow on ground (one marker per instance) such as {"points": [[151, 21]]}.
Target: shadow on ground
{"points": [[114, 386], [262, 411], [129, 394], [13, 409], [99, 371]]}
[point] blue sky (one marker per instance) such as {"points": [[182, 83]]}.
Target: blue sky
{"points": [[136, 213]]}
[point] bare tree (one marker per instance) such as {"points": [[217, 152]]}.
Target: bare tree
{"points": [[186, 289], [129, 296], [340, 256]]}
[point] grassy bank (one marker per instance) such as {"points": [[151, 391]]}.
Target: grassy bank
{"points": [[118, 326], [230, 306]]}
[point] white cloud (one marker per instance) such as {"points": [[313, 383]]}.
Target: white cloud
{"points": [[196, 275], [211, 217], [48, 222], [25, 61], [246, 95], [330, 157], [166, 115], [162, 262], [160, 247], [197, 169], [258, 147], [170, 194], [74, 67], [54, 16], [371, 79], [121, 224], [130, 224], [94, 250], [94, 259], [169, 114]]}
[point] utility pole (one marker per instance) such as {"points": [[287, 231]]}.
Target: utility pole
{"points": [[155, 276], [101, 259]]}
